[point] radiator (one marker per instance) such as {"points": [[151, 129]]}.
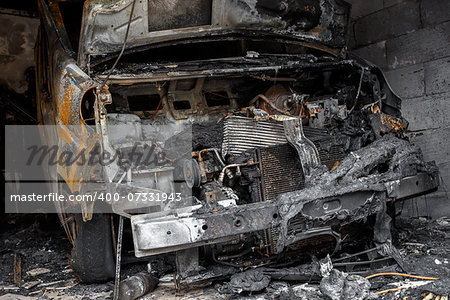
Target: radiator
{"points": [[281, 171], [241, 134]]}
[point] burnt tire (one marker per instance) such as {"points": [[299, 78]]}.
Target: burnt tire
{"points": [[92, 257]]}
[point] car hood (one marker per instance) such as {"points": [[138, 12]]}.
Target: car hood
{"points": [[316, 23]]}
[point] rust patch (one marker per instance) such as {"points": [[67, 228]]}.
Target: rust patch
{"points": [[316, 30], [310, 8], [336, 164], [17, 269], [66, 104], [392, 123], [64, 134]]}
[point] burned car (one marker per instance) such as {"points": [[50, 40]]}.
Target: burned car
{"points": [[292, 142]]}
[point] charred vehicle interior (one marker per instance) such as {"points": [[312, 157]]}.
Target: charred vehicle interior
{"points": [[295, 147]]}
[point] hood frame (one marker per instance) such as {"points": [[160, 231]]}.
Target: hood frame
{"points": [[104, 25]]}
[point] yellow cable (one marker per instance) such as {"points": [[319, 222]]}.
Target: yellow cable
{"points": [[401, 274], [391, 290]]}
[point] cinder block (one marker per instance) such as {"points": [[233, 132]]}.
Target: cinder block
{"points": [[434, 205], [428, 112], [437, 76], [438, 204], [407, 82], [435, 146], [351, 42], [421, 46], [444, 170], [387, 23], [388, 3], [375, 53], [435, 11], [362, 8]]}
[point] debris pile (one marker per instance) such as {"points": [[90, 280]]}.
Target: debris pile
{"points": [[423, 246]]}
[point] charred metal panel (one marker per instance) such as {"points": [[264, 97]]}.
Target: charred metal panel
{"points": [[320, 24], [178, 14], [61, 100], [348, 193], [199, 229]]}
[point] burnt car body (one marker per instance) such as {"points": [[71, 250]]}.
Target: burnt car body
{"points": [[293, 139]]}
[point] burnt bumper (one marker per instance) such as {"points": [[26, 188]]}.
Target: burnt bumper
{"points": [[186, 230]]}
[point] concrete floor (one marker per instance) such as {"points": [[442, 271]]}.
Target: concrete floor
{"points": [[423, 245]]}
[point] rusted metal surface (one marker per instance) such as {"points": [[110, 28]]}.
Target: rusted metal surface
{"points": [[281, 99], [18, 269]]}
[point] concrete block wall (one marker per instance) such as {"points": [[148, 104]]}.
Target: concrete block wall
{"points": [[410, 41]]}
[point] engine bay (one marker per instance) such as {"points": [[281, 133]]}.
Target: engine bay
{"points": [[274, 163]]}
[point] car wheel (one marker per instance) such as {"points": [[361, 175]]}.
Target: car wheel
{"points": [[92, 257]]}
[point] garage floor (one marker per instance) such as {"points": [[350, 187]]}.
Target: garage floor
{"points": [[37, 255]]}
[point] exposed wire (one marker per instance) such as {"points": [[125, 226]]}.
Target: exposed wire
{"points": [[401, 274], [157, 109], [391, 290], [398, 274], [123, 46], [358, 92]]}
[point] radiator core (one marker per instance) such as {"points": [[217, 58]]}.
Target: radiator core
{"points": [[281, 170]]}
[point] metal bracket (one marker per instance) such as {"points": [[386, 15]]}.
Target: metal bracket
{"points": [[307, 151]]}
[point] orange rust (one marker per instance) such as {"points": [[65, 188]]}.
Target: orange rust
{"points": [[69, 174], [17, 269], [73, 175], [375, 109], [64, 134], [392, 122], [56, 13], [336, 164], [316, 31], [310, 8], [64, 107]]}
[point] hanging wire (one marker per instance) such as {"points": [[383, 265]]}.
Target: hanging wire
{"points": [[358, 92], [123, 46]]}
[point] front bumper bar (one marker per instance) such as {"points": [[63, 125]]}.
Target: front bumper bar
{"points": [[176, 232]]}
